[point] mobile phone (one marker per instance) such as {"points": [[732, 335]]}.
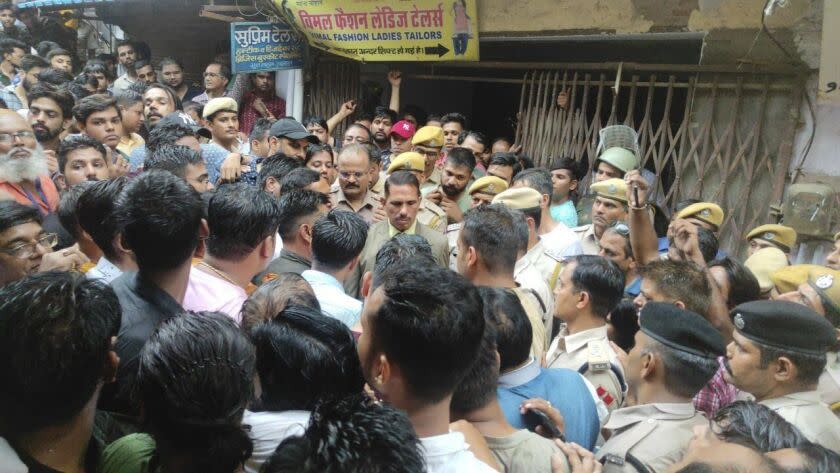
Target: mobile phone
{"points": [[534, 418]]}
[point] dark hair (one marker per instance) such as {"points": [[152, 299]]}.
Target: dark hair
{"points": [[299, 179], [523, 232], [95, 212], [172, 158], [260, 130], [73, 143], [680, 281], [60, 96], [316, 120], [166, 134], [538, 179], [363, 114], [277, 166], [56, 52], [87, 106], [431, 117], [385, 112], [403, 249], [126, 42], [66, 212], [685, 374], [272, 298], [478, 387], [337, 238], [44, 47], [352, 434], [128, 98], [194, 380], [506, 159], [524, 162], [461, 157], [55, 333], [8, 45], [295, 205], [817, 459], [809, 366], [224, 69], [756, 426], [240, 217], [7, 6], [415, 111], [30, 61], [160, 216], [94, 66], [56, 77], [601, 279], [140, 63], [374, 153], [170, 61], [13, 214], [514, 335], [707, 241], [304, 357], [625, 322], [189, 105], [312, 150], [568, 164], [622, 229], [401, 178], [361, 127], [743, 286], [430, 324], [491, 229], [454, 117], [478, 136], [173, 96]]}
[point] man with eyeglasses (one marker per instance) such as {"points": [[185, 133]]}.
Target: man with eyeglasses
{"points": [[26, 249], [353, 193], [24, 176], [216, 78]]}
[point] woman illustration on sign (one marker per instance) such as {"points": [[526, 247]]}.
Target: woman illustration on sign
{"points": [[461, 32]]}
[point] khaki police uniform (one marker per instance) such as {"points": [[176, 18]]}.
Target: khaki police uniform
{"points": [[432, 182], [588, 240], [530, 279], [654, 435], [432, 216], [545, 262], [369, 205], [575, 353], [829, 387], [452, 232], [810, 415], [539, 342]]}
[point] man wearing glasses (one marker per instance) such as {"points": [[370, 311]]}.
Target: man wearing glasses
{"points": [[24, 176], [353, 193], [26, 249], [216, 78]]}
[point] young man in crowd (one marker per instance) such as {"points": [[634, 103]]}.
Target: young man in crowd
{"points": [[222, 117], [98, 117], [353, 193], [504, 166], [57, 332], [95, 212], [50, 114], [61, 59], [182, 161], [242, 221], [13, 52], [771, 236], [421, 331], [15, 94], [260, 102], [565, 178], [131, 110], [80, 159], [126, 55], [172, 72], [337, 240], [477, 142], [452, 195], [557, 238], [299, 210], [380, 128], [401, 134], [453, 125]]}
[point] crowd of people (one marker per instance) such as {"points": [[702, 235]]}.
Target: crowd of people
{"points": [[190, 281]]}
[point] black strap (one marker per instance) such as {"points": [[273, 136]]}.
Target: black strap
{"points": [[539, 299], [628, 458]]}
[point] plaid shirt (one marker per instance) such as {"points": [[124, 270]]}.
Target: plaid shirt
{"points": [[716, 394], [248, 115]]}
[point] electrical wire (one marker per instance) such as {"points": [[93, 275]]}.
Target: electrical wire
{"points": [[256, 5]]}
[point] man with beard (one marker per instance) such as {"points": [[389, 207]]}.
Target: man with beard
{"points": [[260, 102], [23, 166], [453, 125], [50, 113], [452, 196], [126, 55], [383, 120], [172, 72], [80, 159], [12, 51], [159, 100], [674, 356], [15, 95]]}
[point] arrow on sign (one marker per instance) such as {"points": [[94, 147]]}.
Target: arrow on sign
{"points": [[440, 50]]}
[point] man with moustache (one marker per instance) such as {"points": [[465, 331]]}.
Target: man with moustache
{"points": [[15, 95], [23, 166], [452, 196], [383, 121], [50, 113], [260, 102], [172, 72], [159, 100], [126, 55], [353, 193]]}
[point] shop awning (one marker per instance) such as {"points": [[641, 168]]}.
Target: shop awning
{"points": [[59, 4]]}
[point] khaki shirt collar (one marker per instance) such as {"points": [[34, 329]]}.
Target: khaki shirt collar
{"points": [[392, 230], [371, 200], [804, 398], [581, 339], [621, 418]]}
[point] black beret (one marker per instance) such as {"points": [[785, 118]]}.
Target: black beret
{"points": [[681, 330], [784, 325]]}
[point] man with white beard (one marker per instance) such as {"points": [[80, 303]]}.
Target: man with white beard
{"points": [[23, 167]]}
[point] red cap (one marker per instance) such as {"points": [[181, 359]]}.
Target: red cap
{"points": [[403, 128]]}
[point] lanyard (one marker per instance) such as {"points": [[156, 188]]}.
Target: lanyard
{"points": [[41, 194]]}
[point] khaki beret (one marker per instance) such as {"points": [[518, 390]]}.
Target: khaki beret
{"points": [[520, 198], [220, 104], [409, 161], [789, 278], [779, 235], [826, 282], [491, 185], [431, 136], [765, 262], [784, 325], [615, 189], [706, 211]]}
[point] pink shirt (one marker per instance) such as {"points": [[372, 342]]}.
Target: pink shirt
{"points": [[206, 292]]}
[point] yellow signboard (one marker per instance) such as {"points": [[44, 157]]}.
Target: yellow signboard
{"points": [[388, 30]]}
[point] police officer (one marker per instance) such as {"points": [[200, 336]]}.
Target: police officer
{"points": [[428, 141], [674, 357], [771, 236], [609, 206], [482, 192], [588, 289], [777, 354], [429, 213], [763, 263]]}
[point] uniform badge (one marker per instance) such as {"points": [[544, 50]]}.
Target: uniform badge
{"points": [[825, 281], [769, 236], [612, 189], [706, 212], [490, 188], [739, 322]]}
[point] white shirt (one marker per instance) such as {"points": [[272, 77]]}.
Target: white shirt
{"points": [[268, 429], [334, 301], [449, 453], [104, 271]]}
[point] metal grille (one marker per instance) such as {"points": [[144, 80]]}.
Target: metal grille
{"points": [[330, 83], [723, 136]]}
